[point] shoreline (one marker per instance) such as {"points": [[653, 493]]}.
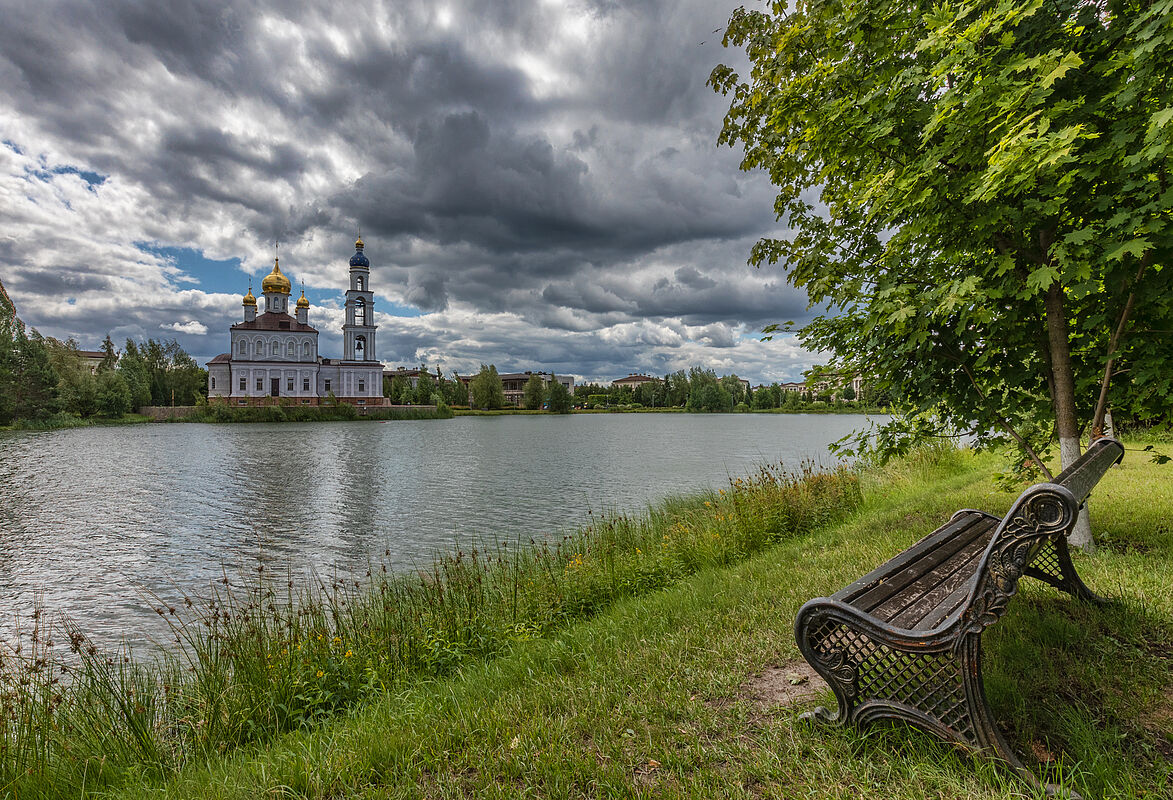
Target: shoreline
{"points": [[278, 413]]}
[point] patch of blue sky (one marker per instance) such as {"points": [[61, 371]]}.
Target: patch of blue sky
{"points": [[92, 179], [209, 274]]}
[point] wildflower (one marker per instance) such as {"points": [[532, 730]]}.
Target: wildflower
{"points": [[708, 504], [320, 673], [337, 640], [349, 653]]}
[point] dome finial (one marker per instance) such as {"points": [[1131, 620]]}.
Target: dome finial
{"points": [[275, 281], [359, 259], [249, 300], [302, 302]]}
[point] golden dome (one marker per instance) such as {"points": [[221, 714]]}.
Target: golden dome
{"points": [[275, 281], [302, 302], [249, 300], [358, 243]]}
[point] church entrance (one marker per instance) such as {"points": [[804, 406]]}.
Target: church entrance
{"points": [[275, 391]]}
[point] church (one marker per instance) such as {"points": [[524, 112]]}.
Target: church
{"points": [[275, 355]]}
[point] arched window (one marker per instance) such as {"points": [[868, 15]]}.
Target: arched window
{"points": [[243, 347], [305, 351], [360, 346], [360, 311], [289, 351], [213, 383], [359, 282], [260, 348]]}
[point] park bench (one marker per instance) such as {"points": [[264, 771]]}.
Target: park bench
{"points": [[904, 641]]}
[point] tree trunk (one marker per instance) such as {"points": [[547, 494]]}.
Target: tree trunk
{"points": [[1066, 424]]}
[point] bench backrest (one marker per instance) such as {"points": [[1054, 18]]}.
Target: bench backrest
{"points": [[1085, 472], [1044, 512]]}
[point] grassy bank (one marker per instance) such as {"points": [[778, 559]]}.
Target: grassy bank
{"points": [[666, 694], [221, 412], [281, 656], [62, 421]]}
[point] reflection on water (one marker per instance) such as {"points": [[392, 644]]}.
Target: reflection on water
{"points": [[93, 520]]}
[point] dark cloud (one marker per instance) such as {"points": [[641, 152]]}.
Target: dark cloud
{"points": [[549, 167]]}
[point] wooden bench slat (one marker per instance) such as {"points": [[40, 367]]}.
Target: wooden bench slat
{"points": [[1082, 476], [945, 533], [928, 592], [943, 550]]}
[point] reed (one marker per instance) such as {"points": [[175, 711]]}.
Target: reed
{"points": [[280, 654]]}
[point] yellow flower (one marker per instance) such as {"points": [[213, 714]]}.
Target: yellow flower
{"points": [[349, 653], [337, 640], [708, 504], [320, 673]]}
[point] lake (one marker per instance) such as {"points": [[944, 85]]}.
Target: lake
{"points": [[94, 520]]}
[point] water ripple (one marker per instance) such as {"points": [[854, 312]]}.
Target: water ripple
{"points": [[94, 520]]}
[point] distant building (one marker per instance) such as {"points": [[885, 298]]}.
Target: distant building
{"points": [[275, 355], [635, 381], [92, 359], [411, 375], [514, 384]]}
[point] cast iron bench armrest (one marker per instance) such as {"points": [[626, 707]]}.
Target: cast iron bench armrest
{"points": [[904, 641]]}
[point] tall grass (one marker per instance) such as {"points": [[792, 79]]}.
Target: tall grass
{"points": [[283, 654]]}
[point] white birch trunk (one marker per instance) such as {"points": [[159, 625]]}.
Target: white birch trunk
{"points": [[1081, 534]]}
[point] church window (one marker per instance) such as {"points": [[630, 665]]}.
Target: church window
{"points": [[243, 385], [359, 283], [360, 345], [362, 386], [305, 384], [213, 383], [260, 384], [327, 386], [243, 348], [260, 348], [289, 351], [306, 350], [360, 311], [276, 349], [289, 385]]}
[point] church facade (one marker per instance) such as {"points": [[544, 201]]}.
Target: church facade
{"points": [[274, 355]]}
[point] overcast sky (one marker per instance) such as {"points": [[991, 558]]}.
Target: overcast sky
{"points": [[538, 183]]}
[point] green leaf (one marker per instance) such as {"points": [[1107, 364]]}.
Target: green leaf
{"points": [[1135, 248]]}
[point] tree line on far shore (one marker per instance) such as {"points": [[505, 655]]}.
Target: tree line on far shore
{"points": [[485, 391], [700, 389], [43, 380], [696, 389]]}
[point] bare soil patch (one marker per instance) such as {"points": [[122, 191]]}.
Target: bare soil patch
{"points": [[781, 686]]}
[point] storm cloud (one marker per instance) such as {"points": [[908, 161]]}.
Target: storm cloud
{"points": [[538, 184]]}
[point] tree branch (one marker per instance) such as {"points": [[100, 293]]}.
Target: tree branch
{"points": [[1030, 451], [1113, 347]]}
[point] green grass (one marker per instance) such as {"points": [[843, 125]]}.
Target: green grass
{"points": [[343, 412], [648, 695], [63, 420]]}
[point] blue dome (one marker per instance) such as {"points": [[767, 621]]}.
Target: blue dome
{"points": [[359, 259]]}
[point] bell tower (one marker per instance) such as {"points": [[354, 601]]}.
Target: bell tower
{"points": [[358, 332]]}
